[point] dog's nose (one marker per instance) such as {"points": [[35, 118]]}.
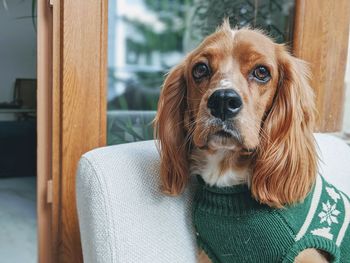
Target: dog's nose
{"points": [[224, 104]]}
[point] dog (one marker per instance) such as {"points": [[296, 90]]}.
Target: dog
{"points": [[238, 113]]}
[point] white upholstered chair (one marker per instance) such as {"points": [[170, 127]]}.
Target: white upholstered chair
{"points": [[124, 217]]}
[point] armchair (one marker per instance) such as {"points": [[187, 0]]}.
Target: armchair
{"points": [[124, 217]]}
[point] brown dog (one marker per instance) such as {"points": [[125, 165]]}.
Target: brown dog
{"points": [[239, 110]]}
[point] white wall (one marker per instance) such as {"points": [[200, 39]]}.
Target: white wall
{"points": [[17, 46]]}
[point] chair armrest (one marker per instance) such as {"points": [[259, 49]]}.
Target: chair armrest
{"points": [[123, 216]]}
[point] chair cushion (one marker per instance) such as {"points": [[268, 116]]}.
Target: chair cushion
{"points": [[124, 217]]}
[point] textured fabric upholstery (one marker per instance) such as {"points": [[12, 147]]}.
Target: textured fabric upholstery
{"points": [[334, 162], [124, 217]]}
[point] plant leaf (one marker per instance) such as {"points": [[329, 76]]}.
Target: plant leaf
{"points": [[4, 3], [34, 14]]}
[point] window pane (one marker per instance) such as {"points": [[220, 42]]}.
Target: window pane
{"points": [[273, 16], [147, 37], [145, 40]]}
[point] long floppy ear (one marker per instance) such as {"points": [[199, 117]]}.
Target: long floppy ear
{"points": [[170, 132], [286, 161]]}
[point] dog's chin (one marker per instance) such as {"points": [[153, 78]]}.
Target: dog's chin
{"points": [[228, 140]]}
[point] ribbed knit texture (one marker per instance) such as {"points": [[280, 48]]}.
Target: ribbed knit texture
{"points": [[232, 227]]}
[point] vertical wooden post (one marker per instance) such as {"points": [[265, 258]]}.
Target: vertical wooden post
{"points": [[44, 129], [321, 33], [79, 108]]}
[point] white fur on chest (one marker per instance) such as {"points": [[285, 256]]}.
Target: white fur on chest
{"points": [[209, 167]]}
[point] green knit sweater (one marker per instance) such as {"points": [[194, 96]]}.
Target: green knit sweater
{"points": [[232, 227]]}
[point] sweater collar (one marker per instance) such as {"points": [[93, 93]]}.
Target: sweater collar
{"points": [[236, 189], [231, 201]]}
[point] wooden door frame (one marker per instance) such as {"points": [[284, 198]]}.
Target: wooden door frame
{"points": [[44, 130], [79, 109], [72, 75], [321, 35]]}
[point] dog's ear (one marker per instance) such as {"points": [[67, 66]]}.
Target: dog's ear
{"points": [[286, 160], [171, 134]]}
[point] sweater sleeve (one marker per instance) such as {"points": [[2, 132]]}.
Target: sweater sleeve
{"points": [[325, 226]]}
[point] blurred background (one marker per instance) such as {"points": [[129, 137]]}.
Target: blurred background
{"points": [[18, 51]]}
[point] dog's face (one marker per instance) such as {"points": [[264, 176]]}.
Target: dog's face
{"points": [[231, 81], [242, 93]]}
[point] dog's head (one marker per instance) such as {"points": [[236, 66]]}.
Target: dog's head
{"points": [[241, 92]]}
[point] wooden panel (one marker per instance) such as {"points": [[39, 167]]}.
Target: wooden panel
{"points": [[321, 34], [44, 62], [79, 109], [56, 130]]}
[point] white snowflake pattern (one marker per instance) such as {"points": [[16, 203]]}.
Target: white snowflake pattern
{"points": [[329, 213], [333, 194]]}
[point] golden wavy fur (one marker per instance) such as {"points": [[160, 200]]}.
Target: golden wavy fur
{"points": [[286, 162], [272, 134]]}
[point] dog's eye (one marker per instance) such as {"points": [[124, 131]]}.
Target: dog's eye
{"points": [[261, 74], [200, 70]]}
